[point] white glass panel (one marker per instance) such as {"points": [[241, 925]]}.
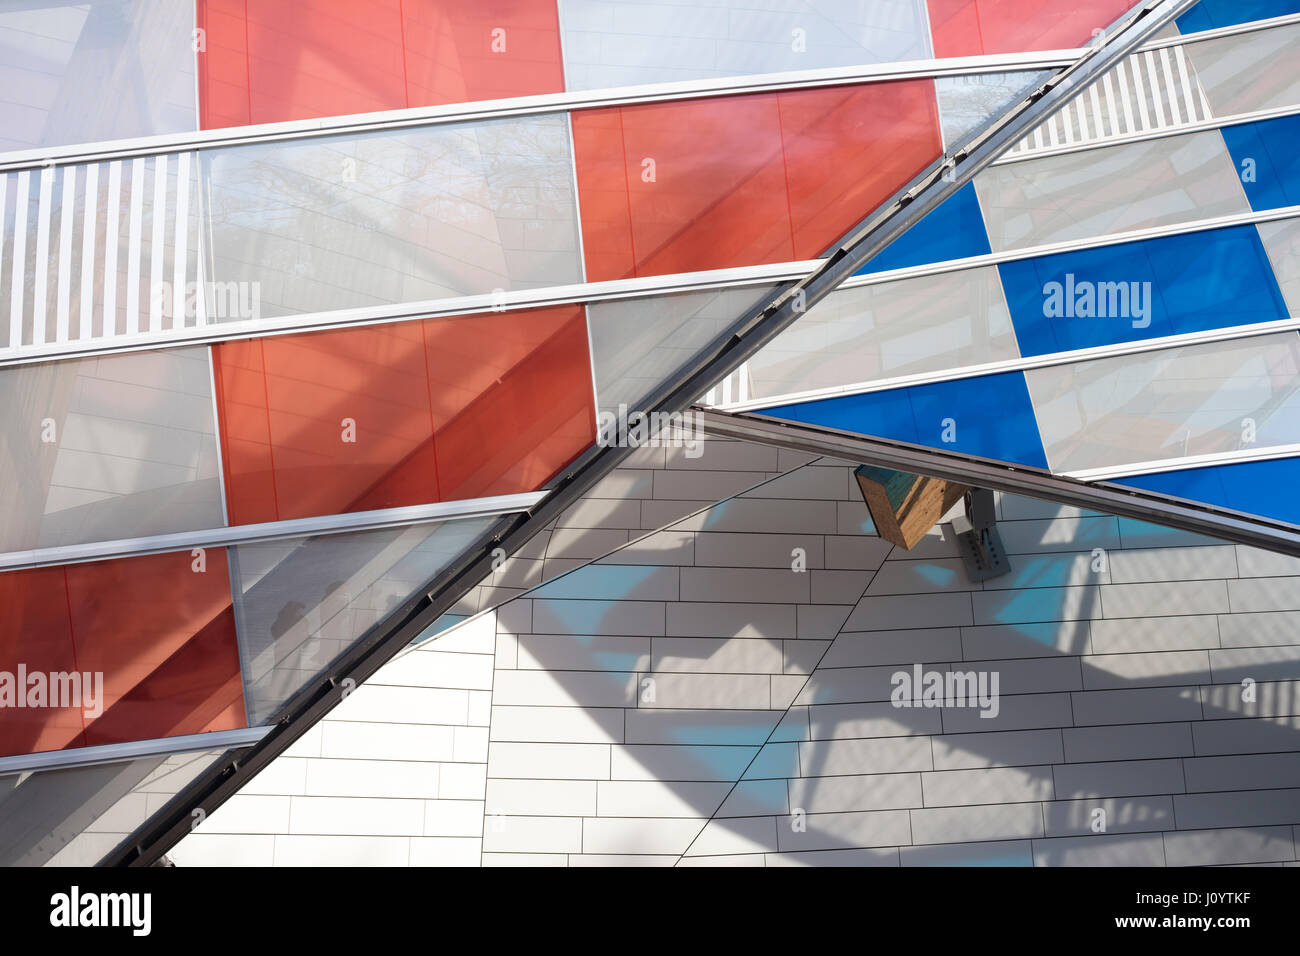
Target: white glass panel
{"points": [[615, 43], [924, 324], [1110, 189], [1250, 71], [95, 70], [393, 216], [103, 448], [1175, 403]]}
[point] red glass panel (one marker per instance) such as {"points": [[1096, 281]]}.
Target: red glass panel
{"points": [[972, 27], [158, 628], [35, 637], [743, 180], [266, 61], [402, 413]]}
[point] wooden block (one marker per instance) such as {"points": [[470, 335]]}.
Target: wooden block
{"points": [[904, 506]]}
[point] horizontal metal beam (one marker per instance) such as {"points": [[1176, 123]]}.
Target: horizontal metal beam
{"points": [[530, 105], [1119, 500], [271, 531], [132, 750]]}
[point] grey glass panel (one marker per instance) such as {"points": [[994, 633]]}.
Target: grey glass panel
{"points": [[1282, 244], [616, 43], [301, 603], [95, 70], [915, 325], [1194, 400], [394, 216], [1250, 71], [638, 344], [76, 816], [968, 102], [1109, 189], [102, 448]]}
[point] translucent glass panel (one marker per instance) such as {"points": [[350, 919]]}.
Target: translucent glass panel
{"points": [[743, 180], [611, 43], [1282, 243], [1250, 71], [403, 413], [859, 335], [78, 815], [971, 27], [94, 70], [967, 102], [395, 216], [639, 344], [98, 250], [989, 417], [1173, 285], [147, 644], [303, 602], [267, 61], [1175, 403], [1106, 190], [96, 449]]}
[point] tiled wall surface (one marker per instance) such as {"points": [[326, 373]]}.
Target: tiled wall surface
{"points": [[692, 699]]}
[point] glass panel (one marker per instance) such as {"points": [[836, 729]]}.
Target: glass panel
{"points": [[966, 103], [972, 27], [1265, 154], [268, 61], [1264, 488], [859, 335], [1194, 400], [610, 43], [78, 815], [639, 344], [394, 216], [402, 413], [1282, 243], [303, 602], [98, 70], [1210, 14], [1139, 290], [1250, 71], [743, 180], [103, 448], [953, 230], [1112, 189], [133, 648], [989, 417]]}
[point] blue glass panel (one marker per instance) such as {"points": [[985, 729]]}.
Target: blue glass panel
{"points": [[1209, 14], [1265, 488], [1141, 290], [989, 417], [955, 230], [1271, 151]]}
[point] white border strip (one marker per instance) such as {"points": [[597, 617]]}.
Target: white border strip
{"points": [[1136, 468], [131, 750], [271, 531]]}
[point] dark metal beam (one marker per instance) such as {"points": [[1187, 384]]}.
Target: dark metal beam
{"points": [[1018, 479]]}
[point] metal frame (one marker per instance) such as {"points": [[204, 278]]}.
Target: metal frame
{"points": [[132, 750], [271, 531], [749, 333]]}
